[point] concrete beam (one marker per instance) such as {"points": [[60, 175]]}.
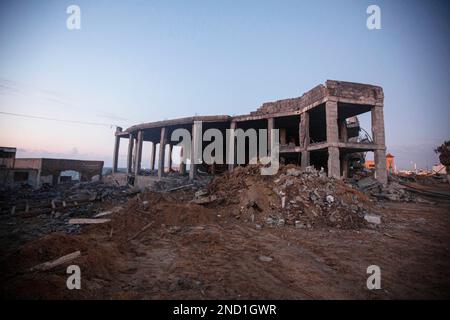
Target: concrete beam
{"points": [[162, 148]]}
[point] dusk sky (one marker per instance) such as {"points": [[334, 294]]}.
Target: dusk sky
{"points": [[142, 61]]}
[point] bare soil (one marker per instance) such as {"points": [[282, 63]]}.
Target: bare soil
{"points": [[176, 249]]}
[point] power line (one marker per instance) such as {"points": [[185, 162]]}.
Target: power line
{"points": [[59, 120]]}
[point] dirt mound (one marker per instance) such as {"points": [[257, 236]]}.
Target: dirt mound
{"points": [[303, 199]]}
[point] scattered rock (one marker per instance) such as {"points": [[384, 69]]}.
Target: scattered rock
{"points": [[265, 258], [371, 218], [330, 199]]}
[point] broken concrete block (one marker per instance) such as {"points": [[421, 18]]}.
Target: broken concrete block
{"points": [[283, 202], [88, 221], [201, 193], [367, 183], [293, 172], [330, 199], [372, 218], [265, 258], [299, 224]]}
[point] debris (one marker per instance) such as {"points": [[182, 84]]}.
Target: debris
{"points": [[205, 200], [282, 199], [201, 193], [371, 218], [88, 221], [52, 264], [145, 205], [102, 214], [283, 202], [140, 231], [299, 225], [293, 172], [330, 199], [265, 258], [180, 187], [367, 183]]}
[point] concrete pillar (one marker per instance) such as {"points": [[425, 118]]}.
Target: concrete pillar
{"points": [[231, 156], [334, 166], [130, 154], [196, 138], [304, 139], [182, 164], [162, 148], [344, 165], [270, 127], [138, 155], [116, 150], [378, 137], [343, 136], [152, 156], [331, 111], [170, 157]]}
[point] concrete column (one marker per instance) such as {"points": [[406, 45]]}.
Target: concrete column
{"points": [[378, 137], [170, 156], [304, 139], [182, 164], [231, 156], [130, 154], [196, 133], [344, 165], [152, 156], [334, 166], [162, 148], [116, 150], [138, 155], [331, 111], [270, 127], [343, 136]]}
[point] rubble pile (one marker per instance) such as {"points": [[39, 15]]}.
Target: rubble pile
{"points": [[404, 188], [306, 199], [81, 198], [393, 190]]}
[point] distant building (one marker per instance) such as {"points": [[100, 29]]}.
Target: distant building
{"points": [[37, 171], [390, 166]]}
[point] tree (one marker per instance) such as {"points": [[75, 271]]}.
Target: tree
{"points": [[444, 156]]}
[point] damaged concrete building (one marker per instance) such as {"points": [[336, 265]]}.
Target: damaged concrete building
{"points": [[38, 171], [320, 128]]}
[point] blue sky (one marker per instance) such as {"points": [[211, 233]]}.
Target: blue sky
{"points": [[140, 61]]}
